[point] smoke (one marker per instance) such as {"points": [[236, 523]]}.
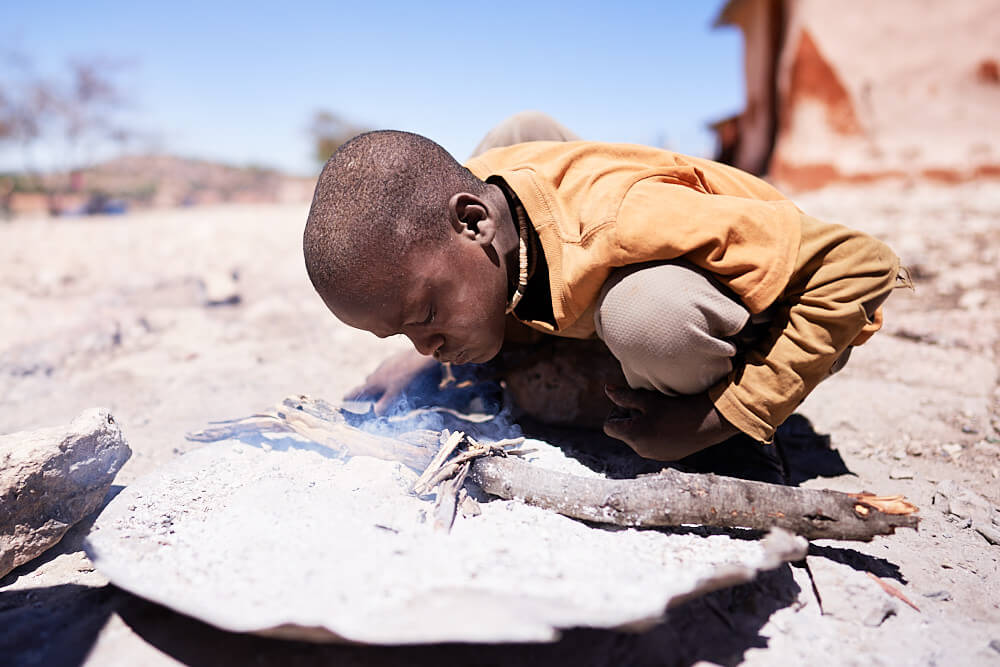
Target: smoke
{"points": [[466, 404]]}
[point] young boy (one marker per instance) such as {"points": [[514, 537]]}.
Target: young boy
{"points": [[723, 303]]}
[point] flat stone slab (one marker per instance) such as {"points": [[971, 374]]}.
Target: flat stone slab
{"points": [[278, 538]]}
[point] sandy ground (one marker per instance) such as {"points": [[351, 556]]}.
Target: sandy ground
{"points": [[113, 312]]}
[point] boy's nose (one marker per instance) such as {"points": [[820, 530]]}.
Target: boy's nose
{"points": [[427, 345]]}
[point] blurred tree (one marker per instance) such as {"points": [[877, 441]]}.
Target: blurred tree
{"points": [[26, 104], [71, 117], [328, 131], [89, 109]]}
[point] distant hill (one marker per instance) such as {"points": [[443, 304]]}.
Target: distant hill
{"points": [[152, 181]]}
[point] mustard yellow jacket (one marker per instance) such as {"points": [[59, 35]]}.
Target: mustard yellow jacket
{"points": [[599, 206]]}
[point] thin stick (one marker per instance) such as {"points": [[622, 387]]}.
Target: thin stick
{"points": [[447, 499], [422, 485], [892, 590]]}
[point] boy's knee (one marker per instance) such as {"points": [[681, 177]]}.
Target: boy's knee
{"points": [[881, 262], [668, 326], [876, 269], [636, 319], [862, 261]]}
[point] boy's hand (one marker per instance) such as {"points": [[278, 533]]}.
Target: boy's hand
{"points": [[391, 378], [664, 428]]}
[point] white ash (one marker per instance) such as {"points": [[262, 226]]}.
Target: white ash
{"points": [[285, 541]]}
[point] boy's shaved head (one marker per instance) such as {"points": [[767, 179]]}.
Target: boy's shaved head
{"points": [[381, 194], [402, 239]]}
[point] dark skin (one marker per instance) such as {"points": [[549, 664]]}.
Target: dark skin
{"points": [[451, 307]]}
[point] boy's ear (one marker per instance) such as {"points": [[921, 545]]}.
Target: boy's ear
{"points": [[470, 217]]}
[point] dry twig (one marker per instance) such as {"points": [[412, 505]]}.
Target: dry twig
{"points": [[428, 478]]}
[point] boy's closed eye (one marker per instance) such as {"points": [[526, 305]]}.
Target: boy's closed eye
{"points": [[431, 312]]}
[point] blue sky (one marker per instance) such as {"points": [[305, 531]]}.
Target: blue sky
{"points": [[238, 81]]}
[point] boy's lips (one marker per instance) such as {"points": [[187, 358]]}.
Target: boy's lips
{"points": [[457, 358]]}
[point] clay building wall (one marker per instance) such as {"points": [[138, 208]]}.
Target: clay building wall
{"points": [[859, 91]]}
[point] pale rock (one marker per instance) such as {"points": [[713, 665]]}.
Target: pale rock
{"points": [[877, 614], [849, 595], [221, 288], [52, 478], [952, 450], [973, 299], [989, 533], [971, 509], [942, 596], [987, 448], [900, 473]]}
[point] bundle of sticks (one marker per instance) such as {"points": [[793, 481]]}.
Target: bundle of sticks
{"points": [[668, 498], [446, 474]]}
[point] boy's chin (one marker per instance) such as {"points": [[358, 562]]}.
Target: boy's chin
{"points": [[482, 357]]}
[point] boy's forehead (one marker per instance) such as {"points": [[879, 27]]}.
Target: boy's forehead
{"points": [[386, 294], [382, 308]]}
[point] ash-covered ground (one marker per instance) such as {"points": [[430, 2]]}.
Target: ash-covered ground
{"points": [[173, 319]]}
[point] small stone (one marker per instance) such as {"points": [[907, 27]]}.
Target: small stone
{"points": [[995, 645], [901, 473], [973, 299], [849, 595], [221, 289], [986, 447], [913, 449], [942, 596], [989, 533], [952, 450], [960, 507], [876, 615], [940, 501], [470, 507]]}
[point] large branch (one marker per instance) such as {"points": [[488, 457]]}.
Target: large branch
{"points": [[670, 498], [673, 498]]}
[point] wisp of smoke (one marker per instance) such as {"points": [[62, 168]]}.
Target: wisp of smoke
{"points": [[475, 408]]}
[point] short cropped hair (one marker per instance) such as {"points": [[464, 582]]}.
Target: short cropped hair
{"points": [[380, 195]]}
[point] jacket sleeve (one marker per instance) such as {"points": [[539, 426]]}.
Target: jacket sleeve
{"points": [[822, 312]]}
